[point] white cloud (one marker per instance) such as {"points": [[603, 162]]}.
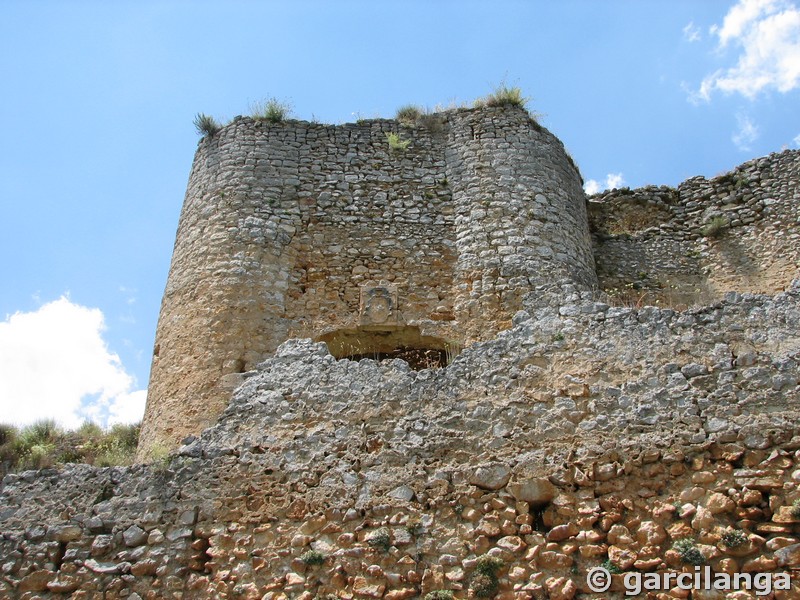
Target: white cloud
{"points": [[767, 33], [613, 180], [746, 134], [55, 364], [127, 408], [796, 140], [742, 16], [692, 32]]}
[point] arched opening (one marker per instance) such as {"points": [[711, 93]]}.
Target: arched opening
{"points": [[384, 343]]}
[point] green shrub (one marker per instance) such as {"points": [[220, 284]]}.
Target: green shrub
{"points": [[439, 595], [44, 444], [734, 538], [484, 586], [272, 110], [312, 557], [795, 512], [380, 539], [484, 581], [689, 552], [8, 433], [409, 114], [395, 143], [39, 456], [42, 431], [611, 567], [504, 96], [206, 125], [715, 226], [8, 455], [488, 565], [35, 446], [159, 457], [89, 430]]}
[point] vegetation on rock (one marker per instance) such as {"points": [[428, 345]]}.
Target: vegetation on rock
{"points": [[271, 110], [44, 444], [206, 125]]}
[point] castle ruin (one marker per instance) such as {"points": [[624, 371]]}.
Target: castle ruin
{"points": [[297, 229], [620, 387]]}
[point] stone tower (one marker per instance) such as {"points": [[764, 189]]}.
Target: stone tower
{"points": [[298, 229]]}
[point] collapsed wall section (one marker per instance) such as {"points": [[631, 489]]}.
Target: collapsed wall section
{"points": [[286, 226], [689, 245]]}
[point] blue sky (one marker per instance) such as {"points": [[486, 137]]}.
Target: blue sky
{"points": [[97, 141]]}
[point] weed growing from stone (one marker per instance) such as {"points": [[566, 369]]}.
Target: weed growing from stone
{"points": [[504, 96], [439, 595], [380, 539], [485, 583], [484, 586], [312, 557], [159, 458], [714, 227], [795, 512], [206, 125], [271, 110], [488, 565], [395, 143], [689, 552], [734, 538], [409, 114]]}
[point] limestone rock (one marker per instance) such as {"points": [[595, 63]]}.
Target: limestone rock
{"points": [[537, 491], [491, 476]]}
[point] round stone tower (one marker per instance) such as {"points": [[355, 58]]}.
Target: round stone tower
{"points": [[520, 214], [410, 246]]}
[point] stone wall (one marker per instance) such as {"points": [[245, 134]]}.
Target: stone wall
{"points": [[584, 433], [285, 225], [736, 232]]}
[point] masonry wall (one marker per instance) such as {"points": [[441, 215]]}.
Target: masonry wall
{"points": [[585, 433], [284, 224], [688, 245]]}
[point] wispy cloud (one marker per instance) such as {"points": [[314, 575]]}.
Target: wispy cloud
{"points": [[796, 140], [745, 134], [691, 32], [130, 293], [767, 36], [54, 363], [613, 180]]}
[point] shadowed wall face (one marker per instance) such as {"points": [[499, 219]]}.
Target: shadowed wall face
{"points": [[686, 246], [284, 226]]}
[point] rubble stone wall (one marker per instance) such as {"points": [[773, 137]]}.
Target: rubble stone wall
{"points": [[688, 245], [585, 433]]}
